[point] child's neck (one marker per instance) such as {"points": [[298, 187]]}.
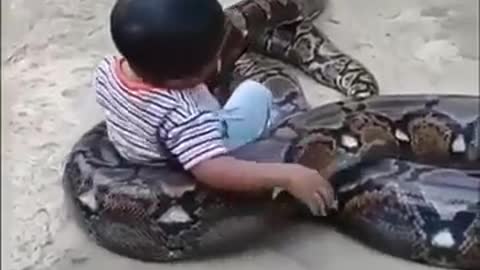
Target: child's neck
{"points": [[128, 72], [129, 77]]}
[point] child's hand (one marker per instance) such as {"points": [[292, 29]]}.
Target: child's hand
{"points": [[311, 188], [232, 174]]}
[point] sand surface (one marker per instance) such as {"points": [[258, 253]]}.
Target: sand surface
{"points": [[49, 48]]}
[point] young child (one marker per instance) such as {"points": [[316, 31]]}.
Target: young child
{"points": [[158, 108]]}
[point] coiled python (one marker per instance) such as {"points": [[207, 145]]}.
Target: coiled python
{"points": [[406, 168]]}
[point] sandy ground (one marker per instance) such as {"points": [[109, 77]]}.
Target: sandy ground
{"points": [[49, 48]]}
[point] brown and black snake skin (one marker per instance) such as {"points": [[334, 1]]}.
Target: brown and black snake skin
{"points": [[406, 167]]}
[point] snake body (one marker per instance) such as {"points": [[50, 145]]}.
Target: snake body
{"points": [[406, 167]]}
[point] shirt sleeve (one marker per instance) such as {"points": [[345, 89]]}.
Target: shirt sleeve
{"points": [[101, 82], [195, 136]]}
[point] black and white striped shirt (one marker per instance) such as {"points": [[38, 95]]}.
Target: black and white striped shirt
{"points": [[151, 125]]}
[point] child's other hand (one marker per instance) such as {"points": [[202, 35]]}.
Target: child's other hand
{"points": [[311, 188]]}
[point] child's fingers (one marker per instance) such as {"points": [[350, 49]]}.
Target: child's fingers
{"points": [[321, 203], [325, 197], [314, 209], [316, 205], [328, 193]]}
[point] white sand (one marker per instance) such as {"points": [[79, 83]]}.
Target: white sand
{"points": [[50, 47]]}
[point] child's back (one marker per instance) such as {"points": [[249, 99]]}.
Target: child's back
{"points": [[147, 124], [158, 109]]}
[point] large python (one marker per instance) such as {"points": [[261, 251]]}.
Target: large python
{"points": [[406, 169]]}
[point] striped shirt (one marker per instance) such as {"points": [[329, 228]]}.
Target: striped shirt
{"points": [[156, 125]]}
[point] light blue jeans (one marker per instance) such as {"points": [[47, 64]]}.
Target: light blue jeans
{"points": [[246, 115]]}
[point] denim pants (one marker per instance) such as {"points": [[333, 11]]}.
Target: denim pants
{"points": [[246, 114]]}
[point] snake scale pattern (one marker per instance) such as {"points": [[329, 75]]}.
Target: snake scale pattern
{"points": [[406, 168]]}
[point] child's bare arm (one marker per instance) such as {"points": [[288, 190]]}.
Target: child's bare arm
{"points": [[197, 143], [228, 173]]}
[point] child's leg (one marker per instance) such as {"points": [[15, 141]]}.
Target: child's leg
{"points": [[246, 114]]}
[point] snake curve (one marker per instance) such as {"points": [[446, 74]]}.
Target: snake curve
{"points": [[406, 167]]}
